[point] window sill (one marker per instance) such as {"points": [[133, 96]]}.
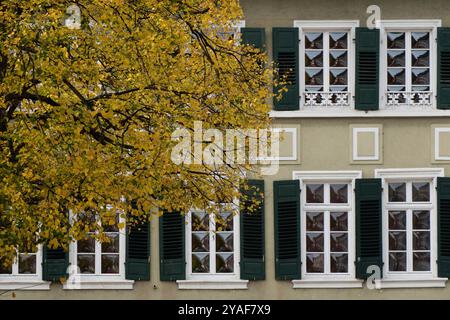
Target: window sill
{"points": [[100, 284], [411, 283], [212, 284], [358, 114], [326, 284], [11, 284]]}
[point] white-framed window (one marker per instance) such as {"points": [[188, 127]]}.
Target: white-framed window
{"points": [[409, 221], [326, 63], [408, 63], [212, 246], [327, 226]]}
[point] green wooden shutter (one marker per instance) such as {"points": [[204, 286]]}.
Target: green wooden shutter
{"points": [[443, 72], [252, 262], [367, 69], [172, 247], [285, 55], [368, 226], [54, 264], [137, 265], [255, 37], [287, 229], [443, 206]]}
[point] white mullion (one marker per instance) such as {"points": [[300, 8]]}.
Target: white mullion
{"points": [[408, 64], [212, 244], [98, 256], [15, 266], [326, 239], [409, 254], [326, 62]]}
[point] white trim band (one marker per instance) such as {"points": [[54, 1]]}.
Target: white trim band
{"points": [[100, 285], [324, 284], [212, 284], [411, 283], [18, 285]]}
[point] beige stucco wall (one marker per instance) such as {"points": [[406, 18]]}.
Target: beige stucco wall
{"points": [[323, 145]]}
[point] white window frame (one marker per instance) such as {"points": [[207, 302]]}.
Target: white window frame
{"points": [[408, 26], [399, 279], [376, 132], [328, 26], [330, 280], [16, 281], [98, 280]]}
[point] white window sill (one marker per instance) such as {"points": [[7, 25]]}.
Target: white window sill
{"points": [[99, 284], [411, 283], [13, 284], [311, 284], [358, 114], [212, 284]]}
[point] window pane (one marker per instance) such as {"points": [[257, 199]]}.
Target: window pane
{"points": [[110, 223], [338, 221], [421, 240], [397, 220], [421, 261], [110, 263], [200, 262], [86, 246], [397, 192], [27, 263], [396, 40], [86, 263], [314, 263], [338, 77], [314, 221], [313, 40], [224, 221], [338, 40], [421, 220], [314, 242], [5, 269], [338, 58], [314, 77], [396, 58], [339, 242], [339, 263], [200, 241], [420, 76], [420, 58], [397, 261], [224, 262], [200, 221], [420, 40], [338, 193], [314, 59], [397, 240], [113, 245], [224, 242], [421, 191], [396, 76], [314, 193]]}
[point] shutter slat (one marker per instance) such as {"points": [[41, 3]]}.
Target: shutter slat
{"points": [[367, 69], [55, 264], [172, 247], [287, 229], [368, 226], [443, 198], [137, 266], [443, 74]]}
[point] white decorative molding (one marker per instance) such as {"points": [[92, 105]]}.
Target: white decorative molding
{"points": [[409, 173], [411, 283], [414, 99], [212, 284], [376, 133], [394, 113], [12, 284], [100, 283], [327, 284], [294, 148], [326, 99], [437, 144], [326, 175]]}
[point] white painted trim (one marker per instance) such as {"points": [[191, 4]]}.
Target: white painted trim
{"points": [[409, 173], [294, 155], [360, 114], [376, 132], [326, 175], [212, 284], [329, 283], [411, 283], [437, 144], [101, 284], [20, 285], [16, 277], [409, 24]]}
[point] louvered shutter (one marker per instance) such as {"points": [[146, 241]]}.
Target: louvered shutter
{"points": [[55, 263], [255, 37], [252, 262], [368, 226], [443, 206], [287, 229], [172, 247], [443, 74], [285, 55], [137, 265], [367, 69]]}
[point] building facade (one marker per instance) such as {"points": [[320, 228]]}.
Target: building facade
{"points": [[361, 190]]}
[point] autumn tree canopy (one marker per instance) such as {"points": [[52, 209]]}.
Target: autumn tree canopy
{"points": [[87, 110]]}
